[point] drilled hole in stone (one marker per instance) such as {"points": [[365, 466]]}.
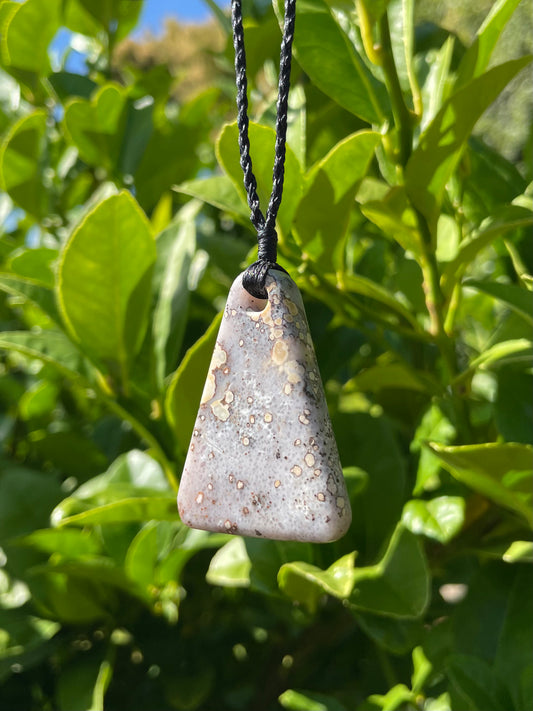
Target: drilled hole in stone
{"points": [[255, 305]]}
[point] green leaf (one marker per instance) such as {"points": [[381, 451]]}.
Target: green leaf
{"points": [[21, 163], [35, 264], [170, 157], [476, 58], [475, 683], [26, 499], [230, 566], [437, 81], [134, 488], [32, 291], [309, 701], [90, 17], [185, 388], [493, 625], [67, 542], [395, 635], [142, 555], [104, 282], [501, 472], [217, 190], [433, 426], [328, 56], [171, 310], [83, 682], [129, 506], [396, 218], [507, 219], [517, 350], [440, 146], [38, 400], [386, 376], [27, 34], [519, 552], [306, 583], [440, 518], [68, 84], [518, 299], [399, 584], [366, 287], [95, 127], [323, 213], [262, 146], [359, 435], [51, 347]]}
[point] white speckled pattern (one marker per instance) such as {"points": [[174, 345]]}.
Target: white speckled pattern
{"points": [[263, 460]]}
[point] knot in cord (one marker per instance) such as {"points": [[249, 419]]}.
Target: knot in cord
{"points": [[254, 277]]}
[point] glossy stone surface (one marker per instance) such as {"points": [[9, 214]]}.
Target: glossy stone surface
{"points": [[263, 460]]}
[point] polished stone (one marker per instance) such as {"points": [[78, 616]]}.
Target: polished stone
{"points": [[263, 460]]}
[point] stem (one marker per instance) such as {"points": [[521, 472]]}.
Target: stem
{"points": [[435, 305], [372, 50], [400, 111], [146, 435]]}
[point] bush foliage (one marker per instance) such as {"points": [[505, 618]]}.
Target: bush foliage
{"points": [[124, 223]]}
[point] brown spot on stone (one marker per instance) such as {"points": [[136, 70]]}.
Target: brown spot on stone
{"points": [[200, 497], [227, 524], [317, 472], [252, 419], [287, 389], [240, 484], [303, 419], [245, 441], [279, 352], [340, 502], [297, 442], [219, 357], [309, 460], [209, 388], [249, 400], [277, 483], [268, 417], [245, 510], [296, 470], [320, 496], [220, 410]]}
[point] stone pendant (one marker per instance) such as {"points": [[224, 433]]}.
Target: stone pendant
{"points": [[263, 460]]}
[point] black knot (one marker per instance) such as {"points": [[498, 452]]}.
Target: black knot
{"points": [[254, 278], [267, 244]]}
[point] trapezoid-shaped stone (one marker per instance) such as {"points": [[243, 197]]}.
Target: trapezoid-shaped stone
{"points": [[263, 460]]}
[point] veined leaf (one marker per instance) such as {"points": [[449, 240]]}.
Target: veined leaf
{"points": [[440, 146], [170, 313], [27, 34], [184, 391], [21, 163], [217, 190], [501, 472], [104, 282], [262, 144], [323, 213], [328, 56], [514, 296], [399, 584], [476, 58], [48, 346]]}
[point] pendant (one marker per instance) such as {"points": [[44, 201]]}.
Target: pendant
{"points": [[263, 460]]}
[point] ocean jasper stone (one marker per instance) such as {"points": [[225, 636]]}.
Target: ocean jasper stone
{"points": [[263, 460]]}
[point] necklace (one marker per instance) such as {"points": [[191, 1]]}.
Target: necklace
{"points": [[263, 460]]}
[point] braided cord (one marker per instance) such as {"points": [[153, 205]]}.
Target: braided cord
{"points": [[255, 276]]}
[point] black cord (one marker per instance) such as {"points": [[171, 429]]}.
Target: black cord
{"points": [[255, 276]]}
